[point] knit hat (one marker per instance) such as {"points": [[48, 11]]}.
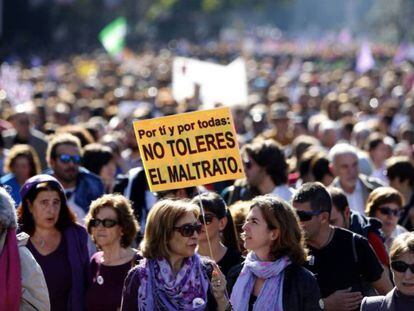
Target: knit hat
{"points": [[32, 182]]}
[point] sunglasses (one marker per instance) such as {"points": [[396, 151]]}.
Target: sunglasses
{"points": [[389, 211], [66, 158], [306, 216], [401, 266], [107, 223], [207, 219], [187, 230]]}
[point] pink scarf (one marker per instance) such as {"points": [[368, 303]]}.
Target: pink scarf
{"points": [[10, 280]]}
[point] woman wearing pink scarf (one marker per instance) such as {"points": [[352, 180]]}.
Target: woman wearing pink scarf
{"points": [[22, 284], [271, 278]]}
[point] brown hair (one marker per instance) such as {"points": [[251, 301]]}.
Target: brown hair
{"points": [[26, 151], [124, 213], [381, 196], [78, 131], [280, 215], [402, 244], [160, 226], [25, 218], [61, 139]]}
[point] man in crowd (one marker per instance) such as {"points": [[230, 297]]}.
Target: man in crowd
{"points": [[266, 172], [357, 187], [400, 173], [341, 260], [369, 228], [81, 186], [24, 133]]}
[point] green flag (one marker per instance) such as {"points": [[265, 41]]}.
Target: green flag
{"points": [[113, 35]]}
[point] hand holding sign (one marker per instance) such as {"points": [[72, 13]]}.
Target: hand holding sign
{"points": [[189, 149]]}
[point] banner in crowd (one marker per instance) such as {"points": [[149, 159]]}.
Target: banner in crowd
{"points": [[189, 149], [218, 84]]}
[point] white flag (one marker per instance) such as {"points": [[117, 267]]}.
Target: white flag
{"points": [[218, 84]]}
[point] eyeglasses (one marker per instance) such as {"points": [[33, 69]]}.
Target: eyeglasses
{"points": [[306, 216], [401, 266], [187, 230], [385, 210], [66, 158], [107, 223], [207, 219]]}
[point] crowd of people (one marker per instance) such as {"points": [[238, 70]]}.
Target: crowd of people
{"points": [[322, 220]]}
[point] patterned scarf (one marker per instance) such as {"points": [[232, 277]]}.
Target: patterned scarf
{"points": [[160, 289], [271, 295]]}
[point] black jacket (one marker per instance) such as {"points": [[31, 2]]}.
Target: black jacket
{"points": [[300, 288]]}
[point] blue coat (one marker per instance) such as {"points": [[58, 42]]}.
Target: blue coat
{"points": [[88, 188]]}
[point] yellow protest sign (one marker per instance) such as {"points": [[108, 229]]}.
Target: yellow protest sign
{"points": [[189, 149]]}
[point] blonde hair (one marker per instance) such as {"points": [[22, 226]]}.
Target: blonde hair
{"points": [[404, 243], [160, 226]]}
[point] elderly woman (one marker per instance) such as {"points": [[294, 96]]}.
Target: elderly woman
{"points": [[113, 227], [402, 267], [22, 284], [172, 276], [272, 278], [386, 204], [218, 231], [57, 243], [20, 164]]}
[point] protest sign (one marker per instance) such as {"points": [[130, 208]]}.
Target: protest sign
{"points": [[189, 149]]}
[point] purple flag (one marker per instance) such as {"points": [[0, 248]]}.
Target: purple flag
{"points": [[365, 60]]}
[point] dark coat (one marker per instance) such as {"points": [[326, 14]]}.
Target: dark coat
{"points": [[300, 288]]}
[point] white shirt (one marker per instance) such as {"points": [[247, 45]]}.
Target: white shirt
{"points": [[356, 199], [381, 173], [283, 192]]}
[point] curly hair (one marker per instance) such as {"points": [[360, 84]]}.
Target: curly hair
{"points": [[125, 215]]}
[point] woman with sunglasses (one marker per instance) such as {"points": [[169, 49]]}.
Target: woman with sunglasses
{"points": [[218, 225], [113, 228], [272, 276], [401, 297], [171, 276], [58, 244], [386, 204]]}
